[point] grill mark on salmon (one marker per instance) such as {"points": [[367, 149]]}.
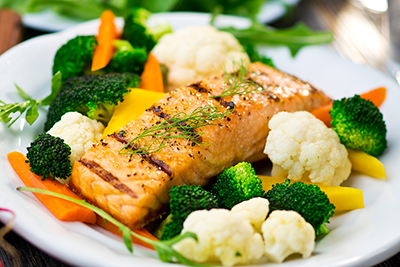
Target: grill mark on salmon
{"points": [[159, 112], [250, 80], [202, 89], [198, 87], [150, 158], [161, 165], [238, 137], [225, 103], [272, 96], [107, 176]]}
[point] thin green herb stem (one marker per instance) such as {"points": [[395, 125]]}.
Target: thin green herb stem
{"points": [[237, 83], [164, 248], [180, 125]]}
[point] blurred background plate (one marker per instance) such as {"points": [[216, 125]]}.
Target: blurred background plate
{"points": [[50, 21]]}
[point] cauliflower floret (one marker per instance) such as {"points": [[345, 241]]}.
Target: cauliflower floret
{"points": [[299, 145], [223, 236], [286, 232], [79, 132], [196, 52], [255, 210]]}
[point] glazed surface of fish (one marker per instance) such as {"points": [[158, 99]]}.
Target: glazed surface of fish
{"points": [[132, 184]]}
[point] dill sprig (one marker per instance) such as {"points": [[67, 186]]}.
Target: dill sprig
{"points": [[238, 83], [180, 125]]}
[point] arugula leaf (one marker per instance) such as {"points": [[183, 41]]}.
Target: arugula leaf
{"points": [[56, 83], [21, 92], [7, 109], [32, 113], [294, 38], [164, 248], [30, 105]]}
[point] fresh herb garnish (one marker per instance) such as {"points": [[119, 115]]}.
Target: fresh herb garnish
{"points": [[30, 105], [164, 248], [237, 83], [180, 125], [294, 38]]}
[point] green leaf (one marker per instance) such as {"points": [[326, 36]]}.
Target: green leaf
{"points": [[217, 10], [255, 56], [21, 92], [77, 9], [30, 106], [294, 38], [32, 113], [56, 83], [126, 235], [164, 248], [248, 8], [19, 6], [7, 109], [153, 5]]}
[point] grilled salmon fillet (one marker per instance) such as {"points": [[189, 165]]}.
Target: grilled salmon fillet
{"points": [[133, 187]]}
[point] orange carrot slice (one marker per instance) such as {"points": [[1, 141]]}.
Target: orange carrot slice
{"points": [[376, 96], [115, 230], [64, 210], [323, 114], [105, 48], [151, 78]]}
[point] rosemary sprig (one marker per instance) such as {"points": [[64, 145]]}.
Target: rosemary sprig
{"points": [[164, 248], [180, 125], [236, 83]]}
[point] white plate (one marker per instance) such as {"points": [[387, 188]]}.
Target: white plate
{"points": [[49, 21], [361, 237]]}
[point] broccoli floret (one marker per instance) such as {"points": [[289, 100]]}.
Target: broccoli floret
{"points": [[49, 156], [184, 200], [307, 200], [127, 58], [138, 33], [71, 58], [255, 56], [359, 125], [95, 96], [237, 184]]}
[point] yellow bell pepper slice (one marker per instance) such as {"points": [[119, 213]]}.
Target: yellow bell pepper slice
{"points": [[366, 164], [133, 106], [344, 198]]}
